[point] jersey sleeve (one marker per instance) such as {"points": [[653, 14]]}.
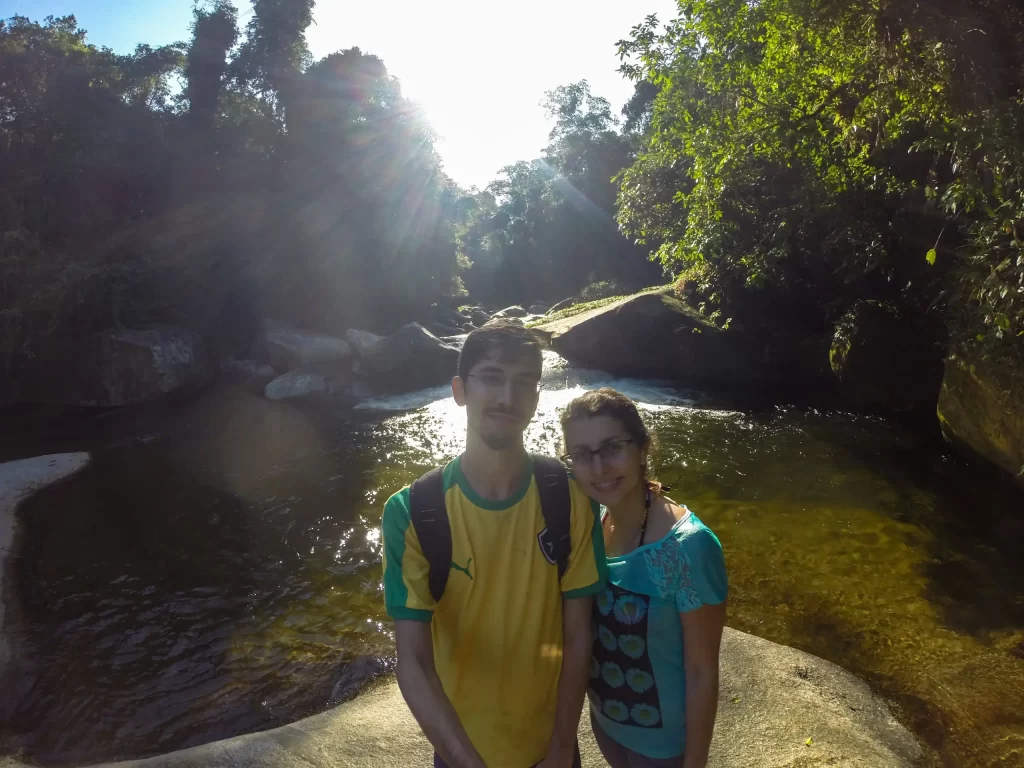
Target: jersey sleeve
{"points": [[406, 572], [587, 570], [704, 580]]}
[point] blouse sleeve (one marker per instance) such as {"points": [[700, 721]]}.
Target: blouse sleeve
{"points": [[704, 580]]}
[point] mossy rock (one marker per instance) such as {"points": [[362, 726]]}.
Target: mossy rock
{"points": [[981, 411], [656, 335]]}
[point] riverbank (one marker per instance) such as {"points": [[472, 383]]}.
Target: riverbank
{"points": [[19, 479], [778, 707]]}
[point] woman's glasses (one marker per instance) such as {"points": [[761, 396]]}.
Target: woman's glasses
{"points": [[610, 452]]}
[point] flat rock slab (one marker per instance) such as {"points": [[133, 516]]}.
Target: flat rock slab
{"points": [[773, 699], [18, 479]]}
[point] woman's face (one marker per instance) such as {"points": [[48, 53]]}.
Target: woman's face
{"points": [[605, 459]]}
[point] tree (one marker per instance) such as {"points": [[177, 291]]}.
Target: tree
{"points": [[834, 150], [214, 34]]}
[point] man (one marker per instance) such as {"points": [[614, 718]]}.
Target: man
{"points": [[496, 670]]}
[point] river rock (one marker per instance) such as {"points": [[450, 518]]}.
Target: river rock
{"points": [[655, 335], [514, 311], [440, 330], [320, 379], [779, 707], [563, 304], [479, 317], [449, 317], [981, 411], [246, 368], [538, 309], [127, 366], [361, 341], [289, 348], [411, 358], [252, 374], [884, 359]]}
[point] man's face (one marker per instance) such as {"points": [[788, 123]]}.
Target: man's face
{"points": [[500, 396]]}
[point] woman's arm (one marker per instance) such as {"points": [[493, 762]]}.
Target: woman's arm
{"points": [[702, 638]]}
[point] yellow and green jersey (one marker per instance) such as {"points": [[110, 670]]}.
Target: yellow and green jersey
{"points": [[497, 629]]}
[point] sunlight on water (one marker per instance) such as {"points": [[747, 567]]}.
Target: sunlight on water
{"points": [[225, 577]]}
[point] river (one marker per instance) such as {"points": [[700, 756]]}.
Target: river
{"points": [[216, 569]]}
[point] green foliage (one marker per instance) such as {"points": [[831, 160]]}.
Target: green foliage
{"points": [[602, 290], [214, 34], [270, 186], [809, 152]]}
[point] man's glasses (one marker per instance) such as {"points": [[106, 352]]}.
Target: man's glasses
{"points": [[611, 452], [521, 385]]}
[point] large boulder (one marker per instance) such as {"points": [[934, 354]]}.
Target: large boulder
{"points": [[778, 708], [981, 411], [479, 317], [411, 358], [288, 348], [885, 359], [127, 366], [361, 341], [655, 335]]}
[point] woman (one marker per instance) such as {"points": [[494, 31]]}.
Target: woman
{"points": [[654, 677]]}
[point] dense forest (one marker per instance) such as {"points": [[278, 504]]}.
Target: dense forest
{"points": [[781, 159]]}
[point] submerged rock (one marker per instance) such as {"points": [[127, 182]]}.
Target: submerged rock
{"points": [[410, 358], [981, 411], [288, 348], [884, 359]]}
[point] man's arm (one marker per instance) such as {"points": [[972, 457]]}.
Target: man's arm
{"points": [[702, 638], [425, 696], [572, 681]]}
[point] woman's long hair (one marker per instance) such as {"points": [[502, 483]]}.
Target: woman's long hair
{"points": [[612, 403]]}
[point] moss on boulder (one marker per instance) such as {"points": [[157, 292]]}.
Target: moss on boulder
{"points": [[981, 411]]}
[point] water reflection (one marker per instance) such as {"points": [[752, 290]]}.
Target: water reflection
{"points": [[224, 577]]}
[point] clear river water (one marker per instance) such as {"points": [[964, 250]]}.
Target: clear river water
{"points": [[216, 569]]}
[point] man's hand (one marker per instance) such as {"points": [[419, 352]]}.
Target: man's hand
{"points": [[425, 696], [572, 682], [562, 761]]}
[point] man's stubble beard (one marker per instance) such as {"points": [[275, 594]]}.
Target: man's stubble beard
{"points": [[502, 441]]}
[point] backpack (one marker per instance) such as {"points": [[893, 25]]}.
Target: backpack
{"points": [[430, 519]]}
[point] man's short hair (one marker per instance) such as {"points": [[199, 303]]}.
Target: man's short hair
{"points": [[502, 339]]}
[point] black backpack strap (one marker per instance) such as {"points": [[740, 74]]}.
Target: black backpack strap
{"points": [[556, 505], [430, 520]]}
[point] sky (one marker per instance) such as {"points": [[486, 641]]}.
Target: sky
{"points": [[478, 68]]}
